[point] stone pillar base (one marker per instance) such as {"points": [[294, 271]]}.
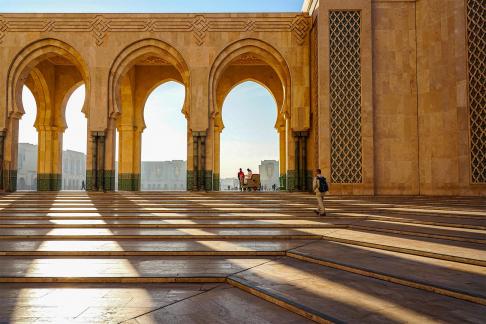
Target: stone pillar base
{"points": [[129, 182], [49, 182], [9, 180], [216, 183], [291, 180], [283, 182], [109, 180]]}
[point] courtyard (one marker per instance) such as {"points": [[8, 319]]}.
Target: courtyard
{"points": [[240, 257]]}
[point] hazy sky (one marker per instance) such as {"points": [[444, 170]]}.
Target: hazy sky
{"points": [[249, 135], [150, 5], [165, 137]]}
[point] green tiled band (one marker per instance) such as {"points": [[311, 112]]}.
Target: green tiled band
{"points": [[89, 180], [216, 182], [109, 180], [208, 180], [108, 183], [129, 182], [291, 177], [10, 180], [283, 182], [49, 181], [190, 180]]}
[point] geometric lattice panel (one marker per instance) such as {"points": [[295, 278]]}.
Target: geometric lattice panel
{"points": [[476, 45], [314, 79], [345, 96]]}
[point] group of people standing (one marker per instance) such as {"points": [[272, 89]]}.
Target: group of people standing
{"points": [[319, 187], [243, 179]]}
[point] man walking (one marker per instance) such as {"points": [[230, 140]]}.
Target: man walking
{"points": [[319, 186]]}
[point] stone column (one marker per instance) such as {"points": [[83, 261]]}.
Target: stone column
{"points": [[2, 148], [283, 157], [110, 157], [129, 157], [11, 147], [49, 158], [299, 174], [216, 159]]}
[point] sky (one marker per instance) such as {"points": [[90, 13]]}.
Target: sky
{"points": [[150, 6]]}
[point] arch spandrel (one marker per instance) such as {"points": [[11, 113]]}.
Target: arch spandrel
{"points": [[136, 52], [28, 58], [244, 50], [235, 75]]}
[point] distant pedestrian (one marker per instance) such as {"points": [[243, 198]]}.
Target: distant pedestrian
{"points": [[320, 187], [241, 178], [83, 185]]}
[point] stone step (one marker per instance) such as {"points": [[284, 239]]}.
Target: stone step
{"points": [[116, 269], [446, 221], [229, 217], [453, 279], [465, 252], [172, 216], [206, 210], [134, 222], [146, 247], [437, 211], [157, 231], [224, 304], [328, 294], [433, 231], [137, 303]]}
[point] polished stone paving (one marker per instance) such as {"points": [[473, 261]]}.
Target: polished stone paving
{"points": [[182, 257], [143, 303]]}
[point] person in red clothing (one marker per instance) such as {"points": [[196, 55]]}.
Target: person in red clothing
{"points": [[241, 178]]}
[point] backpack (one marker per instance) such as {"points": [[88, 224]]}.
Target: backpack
{"points": [[323, 187]]}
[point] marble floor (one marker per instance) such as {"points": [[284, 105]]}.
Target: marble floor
{"points": [[182, 257]]}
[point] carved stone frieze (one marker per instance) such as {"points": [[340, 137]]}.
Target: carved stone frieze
{"points": [[199, 25]]}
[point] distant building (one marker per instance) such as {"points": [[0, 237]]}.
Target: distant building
{"points": [[164, 175], [269, 174], [157, 175], [73, 170], [27, 167], [229, 184]]}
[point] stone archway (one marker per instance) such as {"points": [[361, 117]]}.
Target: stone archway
{"points": [[51, 69], [136, 72], [244, 60]]}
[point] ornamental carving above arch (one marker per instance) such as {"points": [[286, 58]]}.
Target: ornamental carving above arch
{"points": [[150, 51], [250, 51], [28, 58], [101, 25]]}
